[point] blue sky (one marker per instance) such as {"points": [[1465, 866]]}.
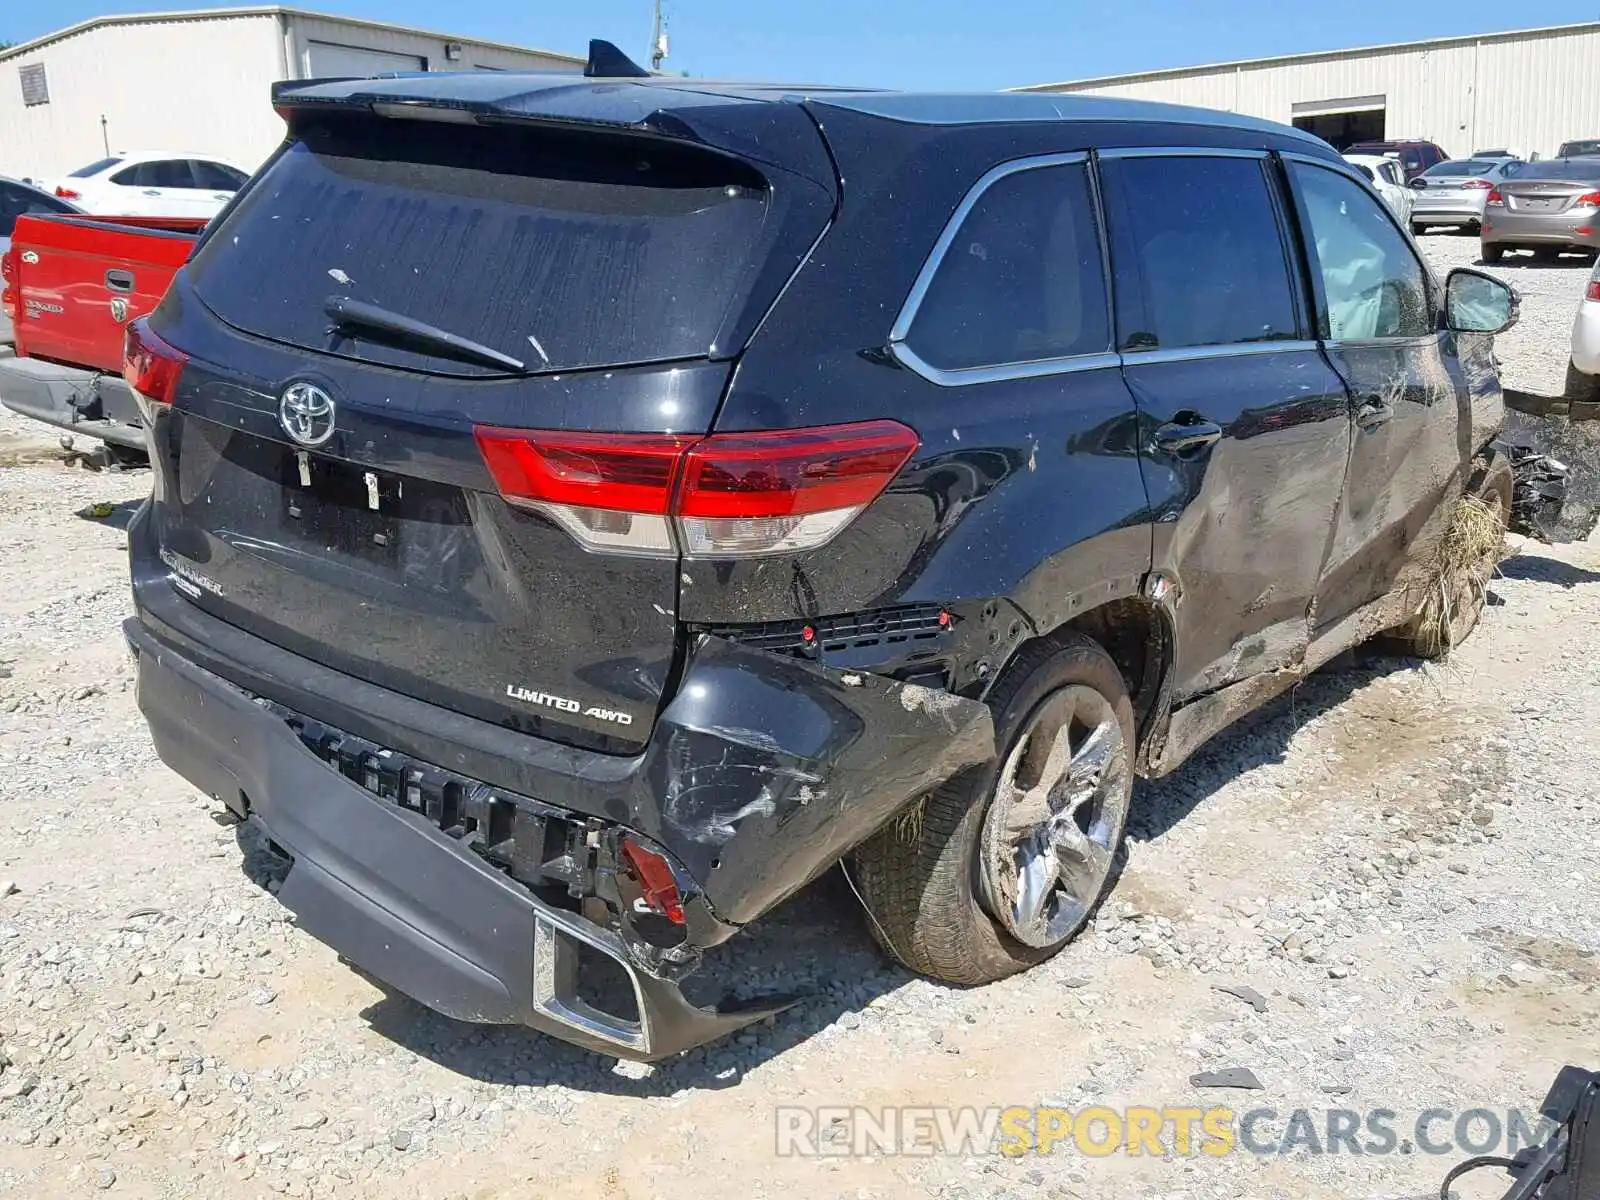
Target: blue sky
{"points": [[953, 44]]}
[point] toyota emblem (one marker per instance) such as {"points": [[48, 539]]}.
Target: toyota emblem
{"points": [[306, 414]]}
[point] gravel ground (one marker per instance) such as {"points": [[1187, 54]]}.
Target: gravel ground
{"points": [[1397, 859]]}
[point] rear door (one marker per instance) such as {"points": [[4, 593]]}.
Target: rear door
{"points": [[160, 188], [1245, 426], [1377, 311], [327, 485]]}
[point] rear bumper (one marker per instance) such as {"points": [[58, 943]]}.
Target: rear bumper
{"points": [[758, 776], [395, 896], [1586, 338], [1462, 213], [1513, 229], [71, 398]]}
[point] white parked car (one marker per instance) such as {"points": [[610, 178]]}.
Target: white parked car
{"points": [[154, 183], [1389, 178], [1583, 372]]}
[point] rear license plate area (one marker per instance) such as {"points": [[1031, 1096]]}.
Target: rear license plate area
{"points": [[340, 509]]}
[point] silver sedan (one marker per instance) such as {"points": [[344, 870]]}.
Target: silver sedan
{"points": [[1546, 207], [1452, 193]]}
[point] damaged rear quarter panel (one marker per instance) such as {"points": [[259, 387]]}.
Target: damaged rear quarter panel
{"points": [[767, 769]]}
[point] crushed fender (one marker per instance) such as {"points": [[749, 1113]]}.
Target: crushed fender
{"points": [[769, 769]]}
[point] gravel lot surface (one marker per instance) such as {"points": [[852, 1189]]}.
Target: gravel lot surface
{"points": [[1397, 859]]}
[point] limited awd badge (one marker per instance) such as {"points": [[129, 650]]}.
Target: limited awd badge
{"points": [[306, 413]]}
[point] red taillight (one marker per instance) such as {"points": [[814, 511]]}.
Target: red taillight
{"points": [[1477, 185], [1494, 197], [150, 366], [1588, 199], [67, 193], [728, 495], [658, 887], [1593, 292]]}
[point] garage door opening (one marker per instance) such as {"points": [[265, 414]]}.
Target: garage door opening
{"points": [[327, 60], [1343, 122]]}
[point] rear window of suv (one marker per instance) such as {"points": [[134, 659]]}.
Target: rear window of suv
{"points": [[563, 251]]}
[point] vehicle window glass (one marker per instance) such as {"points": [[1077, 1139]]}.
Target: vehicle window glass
{"points": [[1569, 149], [1374, 286], [1022, 281], [1582, 169], [214, 177], [138, 175], [1365, 171], [94, 168], [1411, 159], [19, 201], [560, 250], [1390, 172], [1464, 167], [1204, 238], [171, 173]]}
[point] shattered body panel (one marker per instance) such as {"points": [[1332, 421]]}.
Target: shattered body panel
{"points": [[764, 770]]}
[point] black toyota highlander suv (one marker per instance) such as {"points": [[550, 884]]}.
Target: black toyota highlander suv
{"points": [[587, 509]]}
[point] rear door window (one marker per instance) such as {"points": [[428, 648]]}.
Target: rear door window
{"points": [[215, 177], [1373, 285], [165, 173], [562, 251], [1022, 281], [1204, 240]]}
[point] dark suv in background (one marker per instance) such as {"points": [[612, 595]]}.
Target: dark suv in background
{"points": [[1415, 157], [585, 511]]}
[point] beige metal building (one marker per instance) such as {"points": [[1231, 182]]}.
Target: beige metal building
{"points": [[199, 81], [1527, 91]]}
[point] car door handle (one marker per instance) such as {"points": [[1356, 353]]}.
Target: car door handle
{"points": [[1374, 411], [1186, 435], [152, 191], [119, 281]]}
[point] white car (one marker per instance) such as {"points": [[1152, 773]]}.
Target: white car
{"points": [[1388, 177], [1583, 372], [154, 183]]}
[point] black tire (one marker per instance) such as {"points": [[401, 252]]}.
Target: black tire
{"points": [[1454, 599], [1418, 230], [918, 876], [1580, 387], [1546, 255], [1491, 254]]}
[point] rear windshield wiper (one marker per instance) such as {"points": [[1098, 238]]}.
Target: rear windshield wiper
{"points": [[355, 314]]}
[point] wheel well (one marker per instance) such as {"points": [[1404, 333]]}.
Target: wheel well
{"points": [[1137, 635]]}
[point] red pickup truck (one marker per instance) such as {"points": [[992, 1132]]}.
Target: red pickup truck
{"points": [[71, 285]]}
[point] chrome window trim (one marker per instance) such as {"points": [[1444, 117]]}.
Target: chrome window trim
{"points": [[1180, 152], [960, 376], [965, 376], [1434, 335], [1134, 358]]}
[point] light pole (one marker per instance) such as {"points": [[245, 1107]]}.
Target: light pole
{"points": [[658, 39]]}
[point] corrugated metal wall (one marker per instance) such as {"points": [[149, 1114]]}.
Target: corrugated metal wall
{"points": [[198, 85], [305, 29], [1531, 92]]}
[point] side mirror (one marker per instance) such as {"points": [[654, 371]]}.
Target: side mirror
{"points": [[1419, 183], [1479, 303]]}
